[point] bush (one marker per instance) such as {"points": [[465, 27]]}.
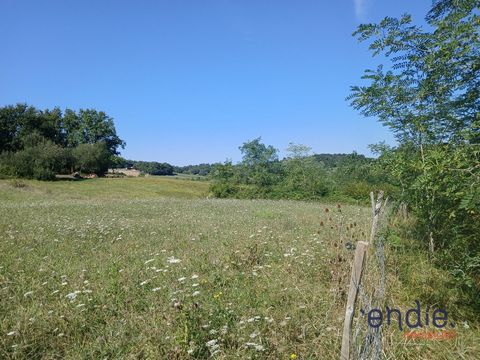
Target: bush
{"points": [[92, 158], [224, 190], [40, 160]]}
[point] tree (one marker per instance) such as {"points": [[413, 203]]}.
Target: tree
{"points": [[255, 153], [35, 138], [92, 158], [39, 159], [224, 181], [304, 177], [430, 98], [153, 167], [260, 164], [91, 126], [21, 120]]}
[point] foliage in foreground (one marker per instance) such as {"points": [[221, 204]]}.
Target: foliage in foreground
{"points": [[429, 97], [109, 268]]}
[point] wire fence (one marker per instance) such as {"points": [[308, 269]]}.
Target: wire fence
{"points": [[367, 340]]}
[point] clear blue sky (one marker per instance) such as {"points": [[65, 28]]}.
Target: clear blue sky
{"points": [[189, 81]]}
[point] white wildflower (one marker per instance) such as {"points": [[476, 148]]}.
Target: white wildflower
{"points": [[172, 260], [72, 295], [211, 342]]}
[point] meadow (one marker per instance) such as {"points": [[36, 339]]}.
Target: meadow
{"points": [[152, 268]]}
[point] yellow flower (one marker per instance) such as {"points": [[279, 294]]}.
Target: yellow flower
{"points": [[293, 356], [217, 295]]}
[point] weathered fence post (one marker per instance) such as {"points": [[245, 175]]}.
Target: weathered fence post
{"points": [[352, 296], [377, 207]]}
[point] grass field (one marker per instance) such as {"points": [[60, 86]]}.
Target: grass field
{"points": [[151, 268]]}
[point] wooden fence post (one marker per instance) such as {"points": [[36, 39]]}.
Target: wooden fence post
{"points": [[376, 209], [352, 296]]}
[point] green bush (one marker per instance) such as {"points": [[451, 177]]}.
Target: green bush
{"points": [[92, 158], [41, 160]]}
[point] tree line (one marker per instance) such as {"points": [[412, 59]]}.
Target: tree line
{"points": [[301, 175], [42, 143]]}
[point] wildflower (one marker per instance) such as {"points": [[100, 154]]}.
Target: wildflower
{"points": [[11, 333], [172, 260], [259, 347], [194, 276], [293, 356], [255, 346], [182, 279], [72, 295], [217, 295], [156, 289], [196, 293], [211, 343]]}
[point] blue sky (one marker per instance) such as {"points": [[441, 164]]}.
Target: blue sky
{"points": [[190, 81]]}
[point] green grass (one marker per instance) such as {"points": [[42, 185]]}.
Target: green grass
{"points": [[104, 188], [151, 268]]}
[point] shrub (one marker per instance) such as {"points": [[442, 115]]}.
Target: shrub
{"points": [[92, 158]]}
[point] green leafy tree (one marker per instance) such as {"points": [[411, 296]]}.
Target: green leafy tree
{"points": [[21, 120], [39, 159], [429, 97], [304, 177], [260, 165], [225, 182], [92, 158], [91, 126]]}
